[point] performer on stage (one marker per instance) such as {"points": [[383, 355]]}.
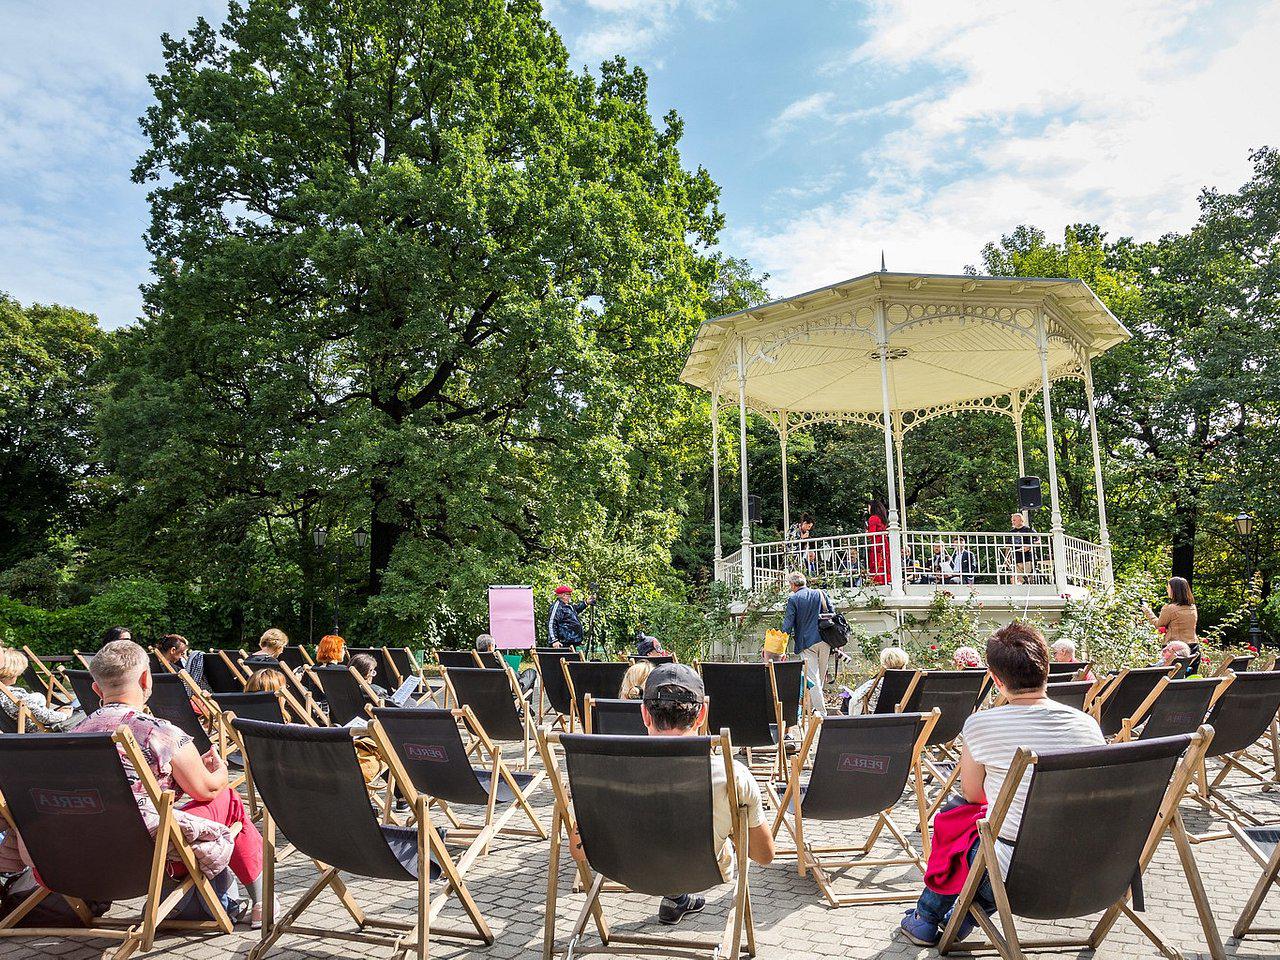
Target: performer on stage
{"points": [[878, 551], [564, 628]]}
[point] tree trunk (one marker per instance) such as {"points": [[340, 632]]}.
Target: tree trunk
{"points": [[1185, 516], [383, 533]]}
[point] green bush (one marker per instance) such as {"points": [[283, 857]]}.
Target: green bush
{"points": [[141, 605]]}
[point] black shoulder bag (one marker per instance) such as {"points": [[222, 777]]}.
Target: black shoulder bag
{"points": [[832, 626]]}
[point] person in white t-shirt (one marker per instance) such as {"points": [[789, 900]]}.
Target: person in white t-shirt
{"points": [[1018, 659], [674, 705]]}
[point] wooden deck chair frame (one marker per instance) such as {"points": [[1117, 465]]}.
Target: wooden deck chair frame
{"points": [[300, 700], [818, 859], [777, 765], [559, 720], [575, 721], [155, 907], [875, 687], [1005, 940], [405, 938], [48, 677], [475, 838], [23, 719], [739, 930], [417, 673], [1097, 702], [941, 777], [1244, 926]]}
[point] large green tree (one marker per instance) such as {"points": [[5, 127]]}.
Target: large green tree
{"points": [[414, 272]]}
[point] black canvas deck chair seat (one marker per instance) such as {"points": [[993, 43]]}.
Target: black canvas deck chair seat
{"points": [[347, 693], [403, 664], [313, 792], [1115, 803], [1179, 709], [788, 683], [955, 694], [456, 658], [743, 700], [613, 717], [1239, 664], [889, 689], [614, 783], [1263, 845], [170, 701], [601, 679], [382, 673], [81, 684], [1242, 715], [1126, 697], [496, 702], [222, 672], [1074, 693], [69, 798], [428, 747], [1067, 670], [657, 659], [20, 722], [552, 682], [861, 766]]}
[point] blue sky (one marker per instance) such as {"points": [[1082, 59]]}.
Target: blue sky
{"points": [[835, 127]]}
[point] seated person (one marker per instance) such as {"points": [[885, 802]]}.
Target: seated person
{"points": [[111, 634], [527, 678], [1064, 651], [674, 705], [647, 646], [331, 650], [13, 664], [1018, 659], [266, 680], [1170, 653], [891, 658], [966, 658], [633, 680], [207, 806], [963, 563], [367, 667], [939, 566], [270, 646]]}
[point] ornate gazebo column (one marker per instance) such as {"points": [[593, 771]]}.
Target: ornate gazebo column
{"points": [[1108, 572], [895, 528], [1015, 412], [899, 434], [784, 431], [715, 474], [1057, 534], [742, 469]]}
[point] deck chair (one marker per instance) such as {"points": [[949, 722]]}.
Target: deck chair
{"points": [[20, 722], [170, 701], [348, 694], [222, 672], [552, 682], [860, 768], [1235, 665], [312, 789], [615, 718], [1263, 844], [788, 685], [601, 679], [263, 707], [496, 702], [40, 678], [892, 686], [68, 797], [1074, 693], [1241, 716], [403, 664], [1116, 803], [456, 658], [743, 701], [955, 694], [657, 659], [434, 761], [1179, 709], [613, 784], [1068, 670], [1126, 697], [1186, 666], [383, 674], [81, 684]]}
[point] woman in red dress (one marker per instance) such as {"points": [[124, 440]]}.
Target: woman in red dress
{"points": [[878, 548]]}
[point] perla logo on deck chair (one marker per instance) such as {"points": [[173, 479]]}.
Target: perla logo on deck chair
{"points": [[862, 763], [67, 801], [426, 751]]}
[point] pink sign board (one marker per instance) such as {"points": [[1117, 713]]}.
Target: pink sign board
{"points": [[511, 617]]}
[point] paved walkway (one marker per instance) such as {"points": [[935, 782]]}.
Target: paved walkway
{"points": [[510, 887]]}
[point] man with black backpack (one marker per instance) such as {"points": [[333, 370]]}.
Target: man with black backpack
{"points": [[802, 620]]}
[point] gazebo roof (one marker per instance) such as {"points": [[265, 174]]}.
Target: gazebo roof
{"points": [[951, 339]]}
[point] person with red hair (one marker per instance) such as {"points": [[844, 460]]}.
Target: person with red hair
{"points": [[332, 649]]}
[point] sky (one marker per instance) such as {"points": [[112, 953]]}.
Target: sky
{"points": [[836, 128]]}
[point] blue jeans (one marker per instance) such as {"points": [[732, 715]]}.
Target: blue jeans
{"points": [[936, 907]]}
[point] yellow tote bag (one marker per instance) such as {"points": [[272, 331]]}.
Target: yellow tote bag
{"points": [[775, 641]]}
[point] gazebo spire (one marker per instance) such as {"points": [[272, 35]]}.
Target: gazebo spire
{"points": [[883, 268]]}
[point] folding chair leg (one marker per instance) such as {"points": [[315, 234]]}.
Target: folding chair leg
{"points": [[1198, 895], [1260, 890], [424, 881]]}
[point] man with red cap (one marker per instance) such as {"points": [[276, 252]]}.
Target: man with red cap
{"points": [[564, 628]]}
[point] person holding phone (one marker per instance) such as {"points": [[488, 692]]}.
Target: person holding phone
{"points": [[1178, 617]]}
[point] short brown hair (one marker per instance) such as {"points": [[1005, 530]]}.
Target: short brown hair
{"points": [[364, 665], [1018, 657]]}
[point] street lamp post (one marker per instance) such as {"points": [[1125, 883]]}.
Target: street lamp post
{"points": [[318, 537], [1244, 527]]}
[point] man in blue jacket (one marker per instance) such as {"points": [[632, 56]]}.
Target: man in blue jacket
{"points": [[801, 621], [564, 626]]}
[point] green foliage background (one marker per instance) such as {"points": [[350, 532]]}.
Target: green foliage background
{"points": [[413, 274]]}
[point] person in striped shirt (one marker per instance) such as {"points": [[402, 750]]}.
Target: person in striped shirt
{"points": [[1018, 659]]}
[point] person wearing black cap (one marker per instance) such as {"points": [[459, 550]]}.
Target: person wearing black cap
{"points": [[675, 705]]}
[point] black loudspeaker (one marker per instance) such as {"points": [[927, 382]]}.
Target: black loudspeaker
{"points": [[1029, 493], [753, 508]]}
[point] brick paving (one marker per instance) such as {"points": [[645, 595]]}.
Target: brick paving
{"points": [[791, 919]]}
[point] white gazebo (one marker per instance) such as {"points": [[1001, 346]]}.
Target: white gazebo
{"points": [[892, 351]]}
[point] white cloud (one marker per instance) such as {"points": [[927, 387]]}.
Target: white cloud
{"points": [[628, 27], [1047, 113]]}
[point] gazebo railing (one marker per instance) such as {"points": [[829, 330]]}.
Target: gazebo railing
{"points": [[930, 557], [1086, 564]]}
